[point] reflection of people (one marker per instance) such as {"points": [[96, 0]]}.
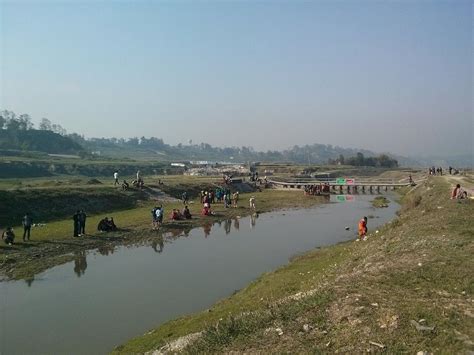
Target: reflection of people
{"points": [[363, 229], [30, 280], [80, 263], [227, 226], [236, 223], [158, 242], [106, 249], [207, 229], [253, 219]]}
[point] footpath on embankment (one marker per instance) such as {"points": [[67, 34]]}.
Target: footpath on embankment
{"points": [[408, 288]]}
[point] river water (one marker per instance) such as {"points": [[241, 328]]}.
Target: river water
{"points": [[107, 296]]}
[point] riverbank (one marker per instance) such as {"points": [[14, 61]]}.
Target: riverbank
{"points": [[408, 288], [53, 244]]}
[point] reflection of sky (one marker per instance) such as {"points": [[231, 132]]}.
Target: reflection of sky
{"points": [[123, 291], [344, 72]]}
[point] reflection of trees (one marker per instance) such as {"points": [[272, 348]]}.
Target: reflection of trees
{"points": [[207, 229], [236, 224], [158, 243], [80, 263], [227, 225]]}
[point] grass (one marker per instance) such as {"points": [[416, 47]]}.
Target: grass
{"points": [[380, 202], [417, 268]]}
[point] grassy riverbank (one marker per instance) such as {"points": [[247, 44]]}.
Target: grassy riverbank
{"points": [[408, 288]]}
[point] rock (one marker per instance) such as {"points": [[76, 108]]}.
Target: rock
{"points": [[421, 328], [347, 228], [279, 331]]}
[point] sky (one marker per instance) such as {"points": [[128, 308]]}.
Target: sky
{"points": [[389, 76]]}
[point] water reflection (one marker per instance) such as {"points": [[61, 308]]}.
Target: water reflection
{"points": [[253, 220], [80, 263], [237, 223], [29, 281], [106, 249], [206, 228], [227, 226], [158, 243]]}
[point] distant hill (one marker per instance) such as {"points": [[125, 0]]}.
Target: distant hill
{"points": [[38, 140]]}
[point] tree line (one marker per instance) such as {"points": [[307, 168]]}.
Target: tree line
{"points": [[307, 154]]}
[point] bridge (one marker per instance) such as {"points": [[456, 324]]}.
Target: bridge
{"points": [[340, 184]]}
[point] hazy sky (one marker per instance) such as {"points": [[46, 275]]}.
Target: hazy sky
{"points": [[383, 75]]}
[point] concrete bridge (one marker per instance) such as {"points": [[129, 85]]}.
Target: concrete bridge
{"points": [[342, 184]]}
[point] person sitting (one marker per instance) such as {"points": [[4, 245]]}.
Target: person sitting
{"points": [[8, 236], [111, 225], [206, 210], [175, 215], [103, 225], [186, 213], [456, 192], [125, 185]]}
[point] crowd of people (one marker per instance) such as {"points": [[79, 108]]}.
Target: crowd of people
{"points": [[316, 189], [137, 182], [439, 171]]}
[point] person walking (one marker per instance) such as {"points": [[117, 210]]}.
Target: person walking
{"points": [[27, 222], [116, 178], [82, 223], [75, 219]]}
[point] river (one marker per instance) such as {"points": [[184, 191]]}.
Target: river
{"points": [[108, 296]]}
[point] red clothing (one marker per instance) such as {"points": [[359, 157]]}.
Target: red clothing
{"points": [[455, 192], [362, 227]]}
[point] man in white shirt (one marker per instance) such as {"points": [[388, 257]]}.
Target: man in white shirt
{"points": [[116, 178]]}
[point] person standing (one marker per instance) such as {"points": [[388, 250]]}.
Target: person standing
{"points": [[27, 222], [184, 198], [75, 219], [362, 229], [116, 178], [82, 223], [252, 202], [159, 215]]}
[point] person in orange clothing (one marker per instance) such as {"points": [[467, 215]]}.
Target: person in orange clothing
{"points": [[362, 229]]}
